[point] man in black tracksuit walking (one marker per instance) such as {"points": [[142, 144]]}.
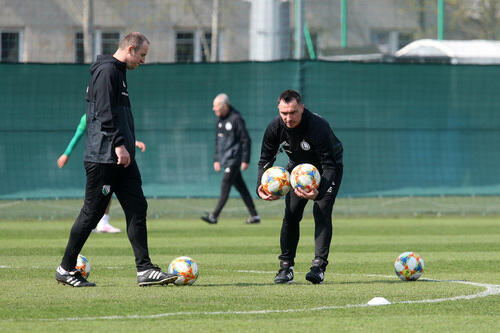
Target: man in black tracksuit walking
{"points": [[232, 152], [306, 138], [110, 165]]}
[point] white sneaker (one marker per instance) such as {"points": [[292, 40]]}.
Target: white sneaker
{"points": [[107, 228]]}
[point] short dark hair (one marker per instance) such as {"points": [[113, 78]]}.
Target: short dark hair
{"points": [[136, 39], [287, 96]]}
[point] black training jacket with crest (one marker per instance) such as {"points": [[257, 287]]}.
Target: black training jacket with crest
{"points": [[109, 118], [313, 141], [232, 142]]}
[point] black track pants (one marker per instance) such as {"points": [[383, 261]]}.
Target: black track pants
{"points": [[232, 176], [322, 211], [102, 181]]}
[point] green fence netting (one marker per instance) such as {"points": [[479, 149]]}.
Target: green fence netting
{"points": [[407, 129]]}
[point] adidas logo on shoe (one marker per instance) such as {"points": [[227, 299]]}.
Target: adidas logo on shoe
{"points": [[73, 278], [285, 273], [154, 276], [317, 273]]}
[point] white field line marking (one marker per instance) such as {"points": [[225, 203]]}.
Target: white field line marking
{"points": [[229, 209], [59, 206], [113, 209], [20, 267], [491, 289], [394, 201], [7, 204]]}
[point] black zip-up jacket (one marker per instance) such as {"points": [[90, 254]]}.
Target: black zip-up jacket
{"points": [[232, 142], [313, 141], [109, 119]]}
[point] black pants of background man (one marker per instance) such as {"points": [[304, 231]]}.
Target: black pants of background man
{"points": [[126, 183], [322, 212], [232, 176]]}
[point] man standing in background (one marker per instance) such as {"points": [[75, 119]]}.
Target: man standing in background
{"points": [[232, 152]]}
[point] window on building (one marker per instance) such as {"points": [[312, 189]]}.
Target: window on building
{"points": [[189, 46], [184, 47], [382, 40], [208, 38], [79, 50], [105, 42], [109, 42], [404, 39], [10, 46], [389, 41]]}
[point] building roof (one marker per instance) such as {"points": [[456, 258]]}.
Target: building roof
{"points": [[483, 52]]}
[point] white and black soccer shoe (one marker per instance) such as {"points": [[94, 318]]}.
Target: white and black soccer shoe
{"points": [[73, 278], [253, 220], [209, 218], [285, 274], [154, 276], [317, 273]]}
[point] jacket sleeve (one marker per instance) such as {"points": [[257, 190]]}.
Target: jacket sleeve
{"points": [[270, 146], [245, 141], [106, 96], [326, 147]]}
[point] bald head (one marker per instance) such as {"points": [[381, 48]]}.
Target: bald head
{"points": [[222, 99], [221, 105]]}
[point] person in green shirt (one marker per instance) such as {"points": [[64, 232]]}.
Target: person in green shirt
{"points": [[103, 226]]}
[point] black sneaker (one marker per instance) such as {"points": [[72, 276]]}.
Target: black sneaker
{"points": [[285, 274], [253, 219], [154, 276], [73, 278], [317, 273], [209, 218]]}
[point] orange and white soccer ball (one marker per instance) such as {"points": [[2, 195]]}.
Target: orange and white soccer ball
{"points": [[276, 181], [186, 269], [83, 265], [305, 176]]}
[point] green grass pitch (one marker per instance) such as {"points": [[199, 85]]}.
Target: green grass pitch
{"points": [[235, 290]]}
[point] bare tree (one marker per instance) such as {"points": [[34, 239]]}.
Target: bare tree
{"points": [[464, 19], [489, 17]]}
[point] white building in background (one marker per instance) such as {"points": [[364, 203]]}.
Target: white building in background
{"points": [[50, 31], [483, 52]]}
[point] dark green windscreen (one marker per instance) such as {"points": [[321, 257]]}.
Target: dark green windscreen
{"points": [[407, 129]]}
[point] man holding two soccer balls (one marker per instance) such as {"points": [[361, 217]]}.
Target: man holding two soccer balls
{"points": [[306, 138]]}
